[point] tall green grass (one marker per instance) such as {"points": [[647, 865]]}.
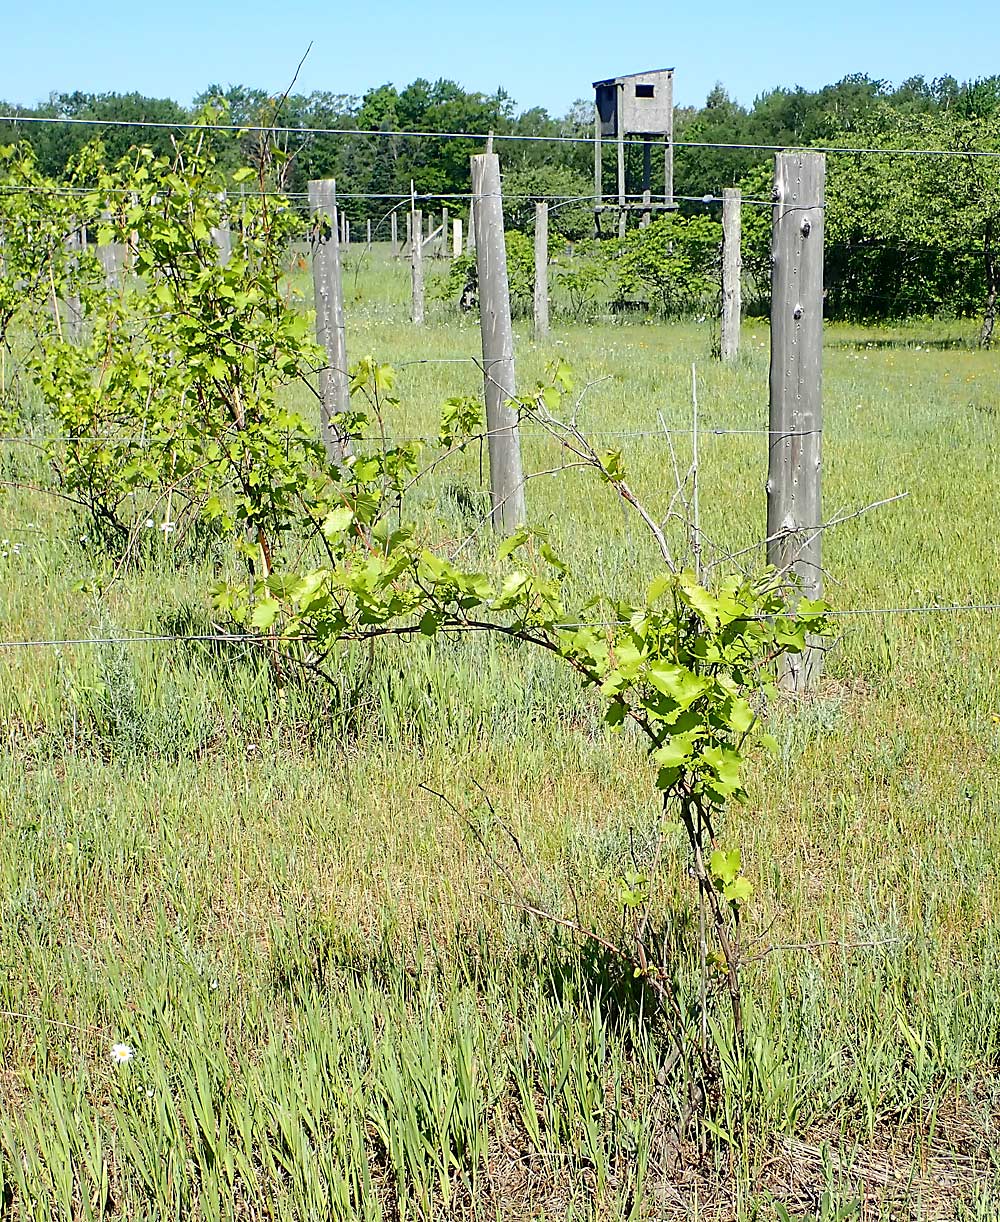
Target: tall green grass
{"points": [[336, 1009]]}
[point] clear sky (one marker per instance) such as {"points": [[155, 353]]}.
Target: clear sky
{"points": [[544, 54]]}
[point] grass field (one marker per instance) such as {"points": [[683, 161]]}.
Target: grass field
{"points": [[335, 1009]]}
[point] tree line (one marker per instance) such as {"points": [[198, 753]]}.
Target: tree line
{"points": [[906, 235]]}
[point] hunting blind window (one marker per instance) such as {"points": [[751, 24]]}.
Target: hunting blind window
{"points": [[644, 91]]}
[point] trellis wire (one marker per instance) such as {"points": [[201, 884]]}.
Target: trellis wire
{"points": [[512, 137], [269, 641]]}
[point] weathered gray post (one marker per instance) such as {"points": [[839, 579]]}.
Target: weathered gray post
{"points": [[443, 247], [796, 413], [732, 269], [456, 238], [417, 267], [409, 230], [668, 146], [647, 183], [506, 476], [598, 172], [621, 162], [221, 237], [541, 269], [393, 235], [76, 243], [109, 257], [470, 237], [368, 234], [334, 384]]}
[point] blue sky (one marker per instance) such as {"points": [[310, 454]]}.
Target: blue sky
{"points": [[544, 54]]}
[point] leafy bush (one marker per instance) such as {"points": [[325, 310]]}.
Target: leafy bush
{"points": [[461, 285], [573, 222], [673, 264]]}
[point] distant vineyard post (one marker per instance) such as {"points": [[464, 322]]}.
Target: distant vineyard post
{"points": [[417, 266], [221, 235], [328, 291], [76, 243], [732, 270], [541, 269], [506, 477]]}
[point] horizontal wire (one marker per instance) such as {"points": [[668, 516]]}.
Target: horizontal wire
{"points": [[252, 639], [259, 129], [70, 192], [147, 442]]}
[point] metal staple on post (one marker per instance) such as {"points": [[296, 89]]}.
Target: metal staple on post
{"points": [[334, 385], [796, 403], [506, 475], [417, 267], [732, 269], [541, 269]]}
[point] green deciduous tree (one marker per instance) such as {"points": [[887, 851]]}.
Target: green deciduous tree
{"points": [[922, 231]]}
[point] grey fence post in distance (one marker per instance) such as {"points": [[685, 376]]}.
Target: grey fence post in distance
{"points": [[506, 475], [732, 270], [417, 267], [393, 235], [541, 269], [334, 385], [796, 404], [76, 243], [221, 236], [110, 257]]}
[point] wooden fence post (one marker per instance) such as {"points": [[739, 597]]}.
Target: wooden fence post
{"points": [[417, 267], [796, 410], [456, 238], [732, 270], [443, 247], [470, 237], [506, 476], [76, 243], [393, 235], [221, 236], [368, 234], [620, 148], [541, 269], [598, 173], [109, 257], [334, 384]]}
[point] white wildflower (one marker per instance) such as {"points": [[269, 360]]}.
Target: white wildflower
{"points": [[121, 1054]]}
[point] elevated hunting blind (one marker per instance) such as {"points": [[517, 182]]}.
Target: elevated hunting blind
{"points": [[641, 104]]}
